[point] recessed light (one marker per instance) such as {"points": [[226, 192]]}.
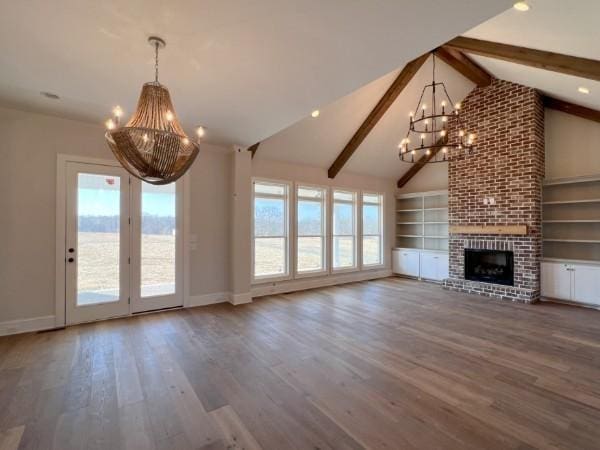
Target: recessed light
{"points": [[583, 90], [521, 6], [50, 95], [315, 113]]}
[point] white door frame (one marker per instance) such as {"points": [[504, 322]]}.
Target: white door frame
{"points": [[60, 299]]}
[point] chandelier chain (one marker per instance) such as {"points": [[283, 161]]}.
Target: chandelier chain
{"points": [[156, 44]]}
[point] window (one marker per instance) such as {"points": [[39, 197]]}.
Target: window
{"points": [[372, 229], [310, 226], [344, 230], [271, 230]]}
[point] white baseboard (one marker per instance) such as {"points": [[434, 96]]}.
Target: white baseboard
{"points": [[283, 287], [26, 325], [208, 299], [240, 299]]}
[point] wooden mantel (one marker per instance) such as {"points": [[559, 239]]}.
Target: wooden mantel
{"points": [[489, 229]]}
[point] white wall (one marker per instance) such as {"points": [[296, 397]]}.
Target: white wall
{"points": [[278, 170], [572, 146], [28, 150]]}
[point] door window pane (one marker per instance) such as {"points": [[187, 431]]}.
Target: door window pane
{"points": [[270, 229], [98, 238], [158, 240]]}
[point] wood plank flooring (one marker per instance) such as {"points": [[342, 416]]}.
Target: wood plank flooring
{"points": [[387, 364]]}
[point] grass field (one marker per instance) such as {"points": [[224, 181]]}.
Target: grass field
{"points": [[98, 262]]}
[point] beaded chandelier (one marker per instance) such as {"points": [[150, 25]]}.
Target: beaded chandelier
{"points": [[428, 138], [152, 146]]}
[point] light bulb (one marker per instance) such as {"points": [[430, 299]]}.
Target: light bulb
{"points": [[443, 103], [411, 114], [443, 133], [413, 152], [428, 151], [426, 121], [423, 136], [457, 106], [444, 119], [200, 132], [185, 141], [110, 124], [445, 150], [169, 116], [117, 111], [315, 113], [424, 107], [471, 137], [461, 133], [145, 137]]}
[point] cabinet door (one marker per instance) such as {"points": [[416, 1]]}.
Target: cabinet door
{"points": [[406, 262], [429, 266], [556, 280], [586, 284]]}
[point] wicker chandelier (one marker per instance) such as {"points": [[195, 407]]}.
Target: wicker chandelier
{"points": [[152, 146], [429, 133]]}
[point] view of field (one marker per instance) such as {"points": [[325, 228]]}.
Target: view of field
{"points": [[98, 266]]}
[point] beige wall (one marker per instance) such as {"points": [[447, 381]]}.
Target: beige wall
{"points": [[278, 170], [572, 146], [28, 152]]}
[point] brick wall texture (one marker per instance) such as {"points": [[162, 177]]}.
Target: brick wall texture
{"points": [[508, 165]]}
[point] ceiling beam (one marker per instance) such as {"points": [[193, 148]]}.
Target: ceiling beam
{"points": [[253, 149], [556, 62], [416, 167], [377, 113], [464, 65], [571, 108]]}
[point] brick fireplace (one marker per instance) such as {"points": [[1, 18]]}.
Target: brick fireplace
{"points": [[500, 184]]}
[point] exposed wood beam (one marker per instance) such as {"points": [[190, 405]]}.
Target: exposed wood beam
{"points": [[464, 65], [253, 148], [377, 113], [556, 62], [571, 108], [416, 167]]}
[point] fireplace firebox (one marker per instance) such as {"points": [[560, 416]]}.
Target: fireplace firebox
{"points": [[489, 266]]}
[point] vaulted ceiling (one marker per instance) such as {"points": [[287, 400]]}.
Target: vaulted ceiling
{"points": [[552, 25], [243, 69]]}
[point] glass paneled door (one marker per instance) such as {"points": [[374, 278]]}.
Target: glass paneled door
{"points": [[123, 249], [97, 242], [156, 246]]}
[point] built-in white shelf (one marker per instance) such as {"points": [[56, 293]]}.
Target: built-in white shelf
{"points": [[581, 241], [422, 221], [572, 221], [566, 202]]}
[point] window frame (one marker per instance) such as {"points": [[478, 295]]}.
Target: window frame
{"points": [[356, 231], [288, 198], [324, 229], [381, 234]]}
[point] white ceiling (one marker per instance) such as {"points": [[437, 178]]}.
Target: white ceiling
{"points": [[319, 141], [243, 69], [554, 25]]}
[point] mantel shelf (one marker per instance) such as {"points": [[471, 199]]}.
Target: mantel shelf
{"points": [[489, 229]]}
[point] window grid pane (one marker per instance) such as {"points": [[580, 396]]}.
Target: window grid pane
{"points": [[270, 230], [344, 230], [372, 230], [310, 229]]}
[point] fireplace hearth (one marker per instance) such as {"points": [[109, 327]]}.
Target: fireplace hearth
{"points": [[489, 266]]}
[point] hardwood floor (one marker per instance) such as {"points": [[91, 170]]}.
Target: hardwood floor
{"points": [[393, 364]]}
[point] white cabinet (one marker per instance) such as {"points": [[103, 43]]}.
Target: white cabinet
{"points": [[574, 282], [434, 266], [586, 284], [406, 262], [420, 264], [556, 280]]}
